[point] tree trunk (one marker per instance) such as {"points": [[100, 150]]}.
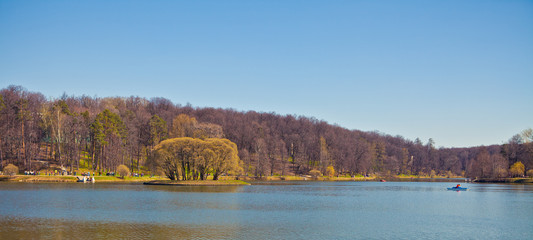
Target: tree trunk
{"points": [[93, 156], [78, 160], [1, 155], [184, 171], [138, 160], [23, 145]]}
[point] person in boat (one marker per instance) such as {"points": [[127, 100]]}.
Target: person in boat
{"points": [[458, 186]]}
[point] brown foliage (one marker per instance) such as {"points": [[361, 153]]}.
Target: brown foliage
{"points": [[34, 128]]}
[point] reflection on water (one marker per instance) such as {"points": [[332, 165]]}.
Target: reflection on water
{"points": [[22, 228], [273, 210], [205, 189]]}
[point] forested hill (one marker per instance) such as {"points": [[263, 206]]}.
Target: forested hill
{"points": [[123, 130]]}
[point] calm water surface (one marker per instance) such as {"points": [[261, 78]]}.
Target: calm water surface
{"points": [[284, 210]]}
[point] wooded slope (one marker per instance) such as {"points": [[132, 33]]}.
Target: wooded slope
{"points": [[123, 130]]}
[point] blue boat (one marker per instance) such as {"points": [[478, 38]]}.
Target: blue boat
{"points": [[458, 188]]}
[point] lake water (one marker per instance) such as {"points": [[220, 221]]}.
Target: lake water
{"points": [[282, 210]]}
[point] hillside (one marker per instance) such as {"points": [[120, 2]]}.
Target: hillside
{"points": [[66, 129]]}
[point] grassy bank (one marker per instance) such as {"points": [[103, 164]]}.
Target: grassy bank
{"points": [[38, 178], [111, 179], [198, 183], [46, 178], [231, 180], [303, 178], [127, 179]]}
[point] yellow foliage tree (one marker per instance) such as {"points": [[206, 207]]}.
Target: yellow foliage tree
{"points": [[193, 158], [225, 156], [330, 171], [517, 169]]}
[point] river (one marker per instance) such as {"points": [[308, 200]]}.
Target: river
{"points": [[266, 210]]}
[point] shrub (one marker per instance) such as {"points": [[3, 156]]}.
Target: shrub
{"points": [[330, 171], [530, 173], [314, 173], [123, 171], [11, 170]]}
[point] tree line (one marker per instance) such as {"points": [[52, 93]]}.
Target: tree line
{"points": [[107, 132]]}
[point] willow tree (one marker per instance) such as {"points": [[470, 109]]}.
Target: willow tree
{"points": [[181, 157], [193, 158], [517, 169], [226, 156]]}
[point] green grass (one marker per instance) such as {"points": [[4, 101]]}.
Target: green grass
{"points": [[46, 178], [127, 179], [198, 183], [42, 178]]}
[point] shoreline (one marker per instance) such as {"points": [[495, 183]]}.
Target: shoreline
{"points": [[197, 183], [504, 180], [158, 180], [68, 179]]}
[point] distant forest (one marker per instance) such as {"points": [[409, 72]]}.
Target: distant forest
{"points": [[107, 132]]}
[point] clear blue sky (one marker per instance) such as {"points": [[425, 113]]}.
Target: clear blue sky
{"points": [[460, 72]]}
